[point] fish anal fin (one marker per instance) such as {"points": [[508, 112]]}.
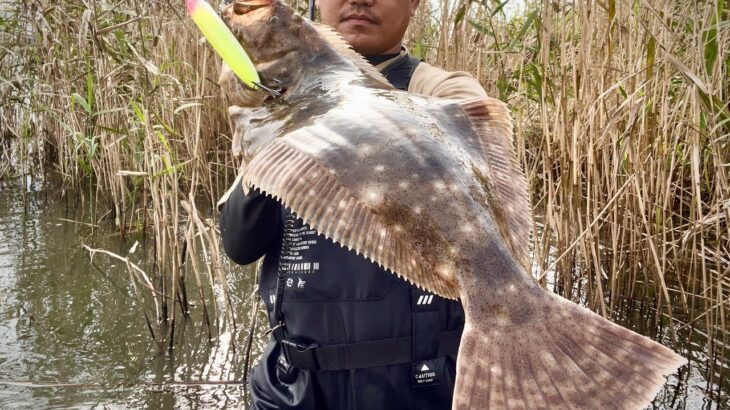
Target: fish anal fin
{"points": [[335, 40], [315, 194], [507, 190], [568, 358]]}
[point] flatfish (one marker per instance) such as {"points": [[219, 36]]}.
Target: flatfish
{"points": [[431, 190]]}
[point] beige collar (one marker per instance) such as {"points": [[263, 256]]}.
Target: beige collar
{"points": [[381, 66]]}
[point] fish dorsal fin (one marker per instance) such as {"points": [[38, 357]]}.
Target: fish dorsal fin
{"points": [[313, 192], [335, 40], [507, 191]]}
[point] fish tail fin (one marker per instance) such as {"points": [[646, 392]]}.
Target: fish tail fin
{"points": [[575, 359]]}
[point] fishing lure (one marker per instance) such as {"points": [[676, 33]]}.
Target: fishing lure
{"points": [[224, 42]]}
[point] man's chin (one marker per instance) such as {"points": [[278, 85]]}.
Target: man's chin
{"points": [[357, 26], [361, 42]]}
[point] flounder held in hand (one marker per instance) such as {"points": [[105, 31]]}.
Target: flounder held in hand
{"points": [[431, 191]]}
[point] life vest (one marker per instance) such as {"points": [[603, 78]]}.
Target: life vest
{"points": [[346, 333]]}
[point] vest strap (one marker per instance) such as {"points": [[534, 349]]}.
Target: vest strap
{"points": [[360, 355], [425, 324]]}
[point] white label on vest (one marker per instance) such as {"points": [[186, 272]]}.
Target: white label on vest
{"points": [[427, 373]]}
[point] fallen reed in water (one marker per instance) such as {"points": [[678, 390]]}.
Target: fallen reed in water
{"points": [[621, 114]]}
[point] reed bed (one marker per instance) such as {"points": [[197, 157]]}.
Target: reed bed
{"points": [[621, 115]]}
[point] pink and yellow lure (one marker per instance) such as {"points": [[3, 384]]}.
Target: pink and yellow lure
{"points": [[223, 41]]}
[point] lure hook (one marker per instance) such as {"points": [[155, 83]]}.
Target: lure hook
{"points": [[272, 92]]}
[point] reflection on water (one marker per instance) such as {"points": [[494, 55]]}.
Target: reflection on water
{"points": [[72, 334], [688, 388]]}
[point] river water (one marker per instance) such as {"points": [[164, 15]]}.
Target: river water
{"points": [[72, 334]]}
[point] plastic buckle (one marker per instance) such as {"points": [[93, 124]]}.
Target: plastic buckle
{"points": [[299, 355], [277, 331]]}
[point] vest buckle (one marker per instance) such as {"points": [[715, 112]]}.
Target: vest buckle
{"points": [[299, 355]]}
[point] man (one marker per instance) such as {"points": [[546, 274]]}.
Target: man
{"points": [[346, 334]]}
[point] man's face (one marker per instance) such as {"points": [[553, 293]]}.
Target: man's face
{"points": [[370, 26]]}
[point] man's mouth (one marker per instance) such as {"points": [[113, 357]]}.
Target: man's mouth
{"points": [[360, 18]]}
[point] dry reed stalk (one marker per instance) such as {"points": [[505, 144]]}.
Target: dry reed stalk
{"points": [[136, 274]]}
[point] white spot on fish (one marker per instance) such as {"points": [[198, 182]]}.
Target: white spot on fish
{"points": [[320, 139], [364, 150], [403, 184], [439, 185], [342, 204], [372, 195], [417, 209], [467, 228], [445, 271], [380, 168]]}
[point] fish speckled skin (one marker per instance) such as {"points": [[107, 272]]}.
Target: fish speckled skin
{"points": [[430, 190]]}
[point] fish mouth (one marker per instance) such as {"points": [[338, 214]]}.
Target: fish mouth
{"points": [[244, 7]]}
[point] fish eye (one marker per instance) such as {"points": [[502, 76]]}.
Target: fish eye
{"points": [[240, 8], [274, 20], [243, 7]]}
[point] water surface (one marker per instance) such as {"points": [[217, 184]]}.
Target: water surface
{"points": [[72, 334]]}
